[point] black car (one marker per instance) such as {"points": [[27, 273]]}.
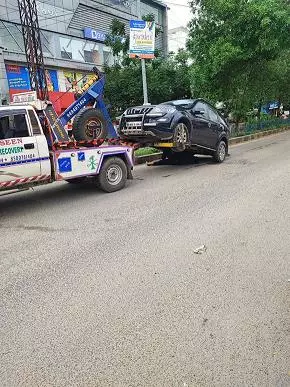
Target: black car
{"points": [[190, 124]]}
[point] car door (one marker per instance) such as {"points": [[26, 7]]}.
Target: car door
{"points": [[19, 160], [201, 129], [214, 127]]}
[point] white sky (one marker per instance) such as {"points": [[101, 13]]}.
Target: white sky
{"points": [[178, 15]]}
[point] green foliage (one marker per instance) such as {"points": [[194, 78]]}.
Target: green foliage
{"points": [[146, 151], [167, 79], [240, 50]]}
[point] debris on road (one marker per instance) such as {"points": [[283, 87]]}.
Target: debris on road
{"points": [[201, 249]]}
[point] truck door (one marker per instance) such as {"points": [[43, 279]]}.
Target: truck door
{"points": [[19, 158]]}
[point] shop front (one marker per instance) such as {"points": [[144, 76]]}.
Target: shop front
{"points": [[62, 83]]}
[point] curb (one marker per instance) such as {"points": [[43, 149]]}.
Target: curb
{"points": [[234, 140]]}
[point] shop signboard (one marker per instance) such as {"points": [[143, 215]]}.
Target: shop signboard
{"points": [[90, 33]]}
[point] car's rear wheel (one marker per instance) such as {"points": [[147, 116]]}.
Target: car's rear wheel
{"points": [[181, 137], [221, 152]]}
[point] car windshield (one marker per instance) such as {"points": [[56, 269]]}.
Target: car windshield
{"points": [[183, 103]]}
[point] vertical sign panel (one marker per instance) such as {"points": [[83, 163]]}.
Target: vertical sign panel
{"points": [[142, 39]]}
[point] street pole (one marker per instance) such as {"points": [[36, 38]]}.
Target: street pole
{"points": [[143, 67], [144, 80]]}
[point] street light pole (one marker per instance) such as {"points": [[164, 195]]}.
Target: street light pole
{"points": [[143, 67], [144, 80]]}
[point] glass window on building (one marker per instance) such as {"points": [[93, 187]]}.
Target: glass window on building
{"points": [[108, 56], [65, 48], [11, 37], [47, 43]]}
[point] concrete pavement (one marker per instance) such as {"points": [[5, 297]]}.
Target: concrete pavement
{"points": [[106, 290]]}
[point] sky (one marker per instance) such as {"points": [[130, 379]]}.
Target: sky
{"points": [[179, 13]]}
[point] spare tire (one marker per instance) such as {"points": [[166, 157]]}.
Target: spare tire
{"points": [[89, 124]]}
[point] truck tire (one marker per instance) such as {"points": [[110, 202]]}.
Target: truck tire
{"points": [[113, 175], [89, 124]]}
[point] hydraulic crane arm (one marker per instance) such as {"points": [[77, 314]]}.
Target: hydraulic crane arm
{"points": [[33, 47]]}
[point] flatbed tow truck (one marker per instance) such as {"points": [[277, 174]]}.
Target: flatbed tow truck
{"points": [[34, 145], [35, 148]]}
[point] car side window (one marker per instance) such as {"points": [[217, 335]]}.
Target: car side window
{"points": [[201, 107], [13, 125], [213, 115]]}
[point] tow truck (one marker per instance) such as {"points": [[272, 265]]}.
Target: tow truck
{"points": [[30, 155], [35, 147]]}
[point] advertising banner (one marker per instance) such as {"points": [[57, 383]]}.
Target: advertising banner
{"points": [[18, 78], [142, 39], [75, 81]]}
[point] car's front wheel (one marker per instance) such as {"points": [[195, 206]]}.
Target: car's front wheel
{"points": [[221, 152], [181, 137]]}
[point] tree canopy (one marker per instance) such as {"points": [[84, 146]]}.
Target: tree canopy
{"points": [[240, 50]]}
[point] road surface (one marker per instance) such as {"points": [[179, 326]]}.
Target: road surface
{"points": [[106, 290]]}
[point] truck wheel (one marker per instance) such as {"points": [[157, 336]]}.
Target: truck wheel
{"points": [[181, 137], [113, 175], [89, 124]]}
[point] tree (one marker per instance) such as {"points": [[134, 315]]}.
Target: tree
{"points": [[167, 78], [236, 46]]}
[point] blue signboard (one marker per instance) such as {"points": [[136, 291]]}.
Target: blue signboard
{"points": [[18, 78], [51, 79], [90, 33]]}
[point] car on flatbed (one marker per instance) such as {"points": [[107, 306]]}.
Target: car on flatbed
{"points": [[190, 124]]}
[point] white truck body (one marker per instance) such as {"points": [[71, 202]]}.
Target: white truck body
{"points": [[25, 158]]}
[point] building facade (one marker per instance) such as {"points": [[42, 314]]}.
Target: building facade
{"points": [[73, 34], [177, 38]]}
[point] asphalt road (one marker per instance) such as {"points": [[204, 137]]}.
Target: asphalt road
{"points": [[106, 290]]}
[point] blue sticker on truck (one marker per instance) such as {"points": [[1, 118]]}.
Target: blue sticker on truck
{"points": [[81, 156], [64, 164]]}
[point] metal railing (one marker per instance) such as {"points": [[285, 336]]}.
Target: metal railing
{"points": [[259, 126]]}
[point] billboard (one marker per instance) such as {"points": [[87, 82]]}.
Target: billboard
{"points": [[75, 81], [142, 39], [18, 78]]}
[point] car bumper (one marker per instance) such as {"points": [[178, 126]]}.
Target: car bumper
{"points": [[146, 132]]}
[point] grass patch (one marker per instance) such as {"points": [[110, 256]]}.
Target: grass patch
{"points": [[146, 151]]}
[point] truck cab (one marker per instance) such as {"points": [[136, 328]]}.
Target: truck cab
{"points": [[24, 153]]}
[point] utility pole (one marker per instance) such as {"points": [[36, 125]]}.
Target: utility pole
{"points": [[143, 67]]}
